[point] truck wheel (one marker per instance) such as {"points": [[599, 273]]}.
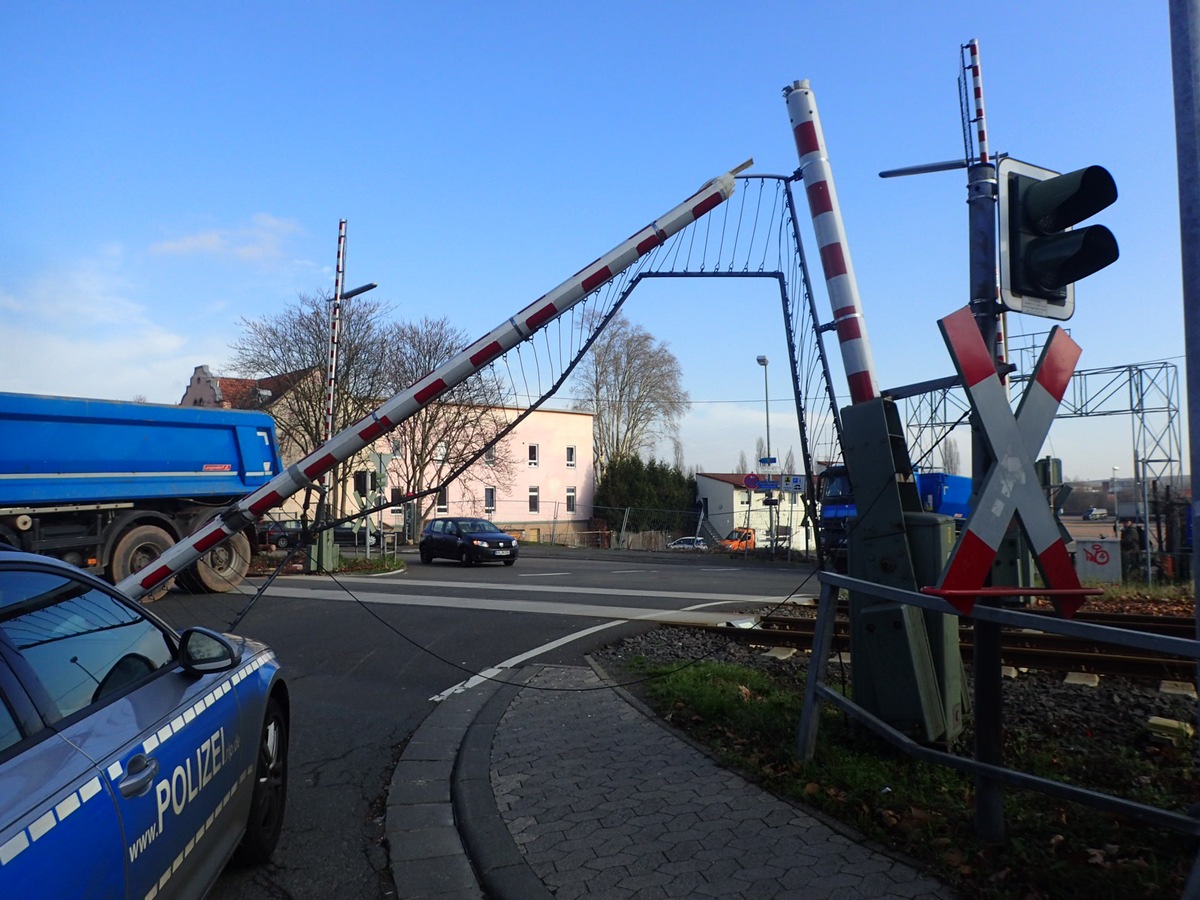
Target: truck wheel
{"points": [[136, 549], [221, 569]]}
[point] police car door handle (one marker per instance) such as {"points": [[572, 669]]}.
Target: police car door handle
{"points": [[139, 775]]}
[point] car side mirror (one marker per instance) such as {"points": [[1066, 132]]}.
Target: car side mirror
{"points": [[202, 650]]}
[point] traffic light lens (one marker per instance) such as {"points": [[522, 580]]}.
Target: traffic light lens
{"points": [[1054, 262], [1067, 200]]}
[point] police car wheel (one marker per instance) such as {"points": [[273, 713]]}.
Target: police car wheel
{"points": [[270, 789]]}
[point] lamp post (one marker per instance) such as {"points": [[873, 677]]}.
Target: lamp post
{"points": [[1113, 485], [762, 361]]}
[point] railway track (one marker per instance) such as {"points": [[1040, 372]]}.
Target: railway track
{"points": [[1020, 648]]}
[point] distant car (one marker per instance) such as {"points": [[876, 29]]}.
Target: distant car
{"points": [[467, 540], [688, 543], [281, 533], [345, 534], [1095, 513], [135, 761], [284, 533]]}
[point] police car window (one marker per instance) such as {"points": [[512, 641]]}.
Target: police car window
{"points": [[82, 643], [9, 732]]}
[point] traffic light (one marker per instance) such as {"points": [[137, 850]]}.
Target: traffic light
{"points": [[366, 483], [1040, 255]]}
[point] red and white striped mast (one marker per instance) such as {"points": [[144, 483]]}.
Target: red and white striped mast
{"points": [[335, 321], [831, 239], [340, 294], [982, 190]]}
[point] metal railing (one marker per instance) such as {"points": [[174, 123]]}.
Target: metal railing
{"points": [[816, 692]]}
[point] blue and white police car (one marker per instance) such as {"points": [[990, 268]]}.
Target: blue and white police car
{"points": [[135, 761]]}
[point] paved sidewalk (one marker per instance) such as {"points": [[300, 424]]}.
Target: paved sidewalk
{"points": [[557, 786]]}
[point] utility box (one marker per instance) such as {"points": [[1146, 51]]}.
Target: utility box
{"points": [[904, 673], [1099, 560], [323, 554], [931, 539]]}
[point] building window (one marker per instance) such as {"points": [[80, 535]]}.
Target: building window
{"points": [[533, 499], [533, 456], [443, 500], [439, 452], [489, 499], [570, 457], [571, 499], [489, 456]]}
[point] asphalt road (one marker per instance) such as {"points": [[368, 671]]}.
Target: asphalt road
{"points": [[366, 656]]}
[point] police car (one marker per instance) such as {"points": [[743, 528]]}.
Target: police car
{"points": [[134, 761]]}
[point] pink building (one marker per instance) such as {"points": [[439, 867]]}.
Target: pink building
{"points": [[543, 491], [548, 490]]}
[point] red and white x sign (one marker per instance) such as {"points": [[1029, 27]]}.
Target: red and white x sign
{"points": [[1011, 487]]}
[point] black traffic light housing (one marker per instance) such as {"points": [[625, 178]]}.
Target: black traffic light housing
{"points": [[366, 483], [1040, 256]]}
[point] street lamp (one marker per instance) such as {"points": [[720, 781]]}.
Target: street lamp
{"points": [[762, 361]]}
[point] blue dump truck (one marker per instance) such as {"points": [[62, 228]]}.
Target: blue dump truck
{"points": [[108, 486], [949, 495]]}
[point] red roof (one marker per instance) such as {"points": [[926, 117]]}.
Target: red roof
{"points": [[255, 393], [729, 478]]}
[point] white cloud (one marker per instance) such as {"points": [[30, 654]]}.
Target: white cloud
{"points": [[261, 240], [81, 332]]}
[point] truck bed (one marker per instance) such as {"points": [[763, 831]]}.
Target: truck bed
{"points": [[74, 450]]}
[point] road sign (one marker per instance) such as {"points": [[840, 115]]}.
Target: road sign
{"points": [[750, 481], [1011, 487], [792, 483], [769, 461], [768, 485]]}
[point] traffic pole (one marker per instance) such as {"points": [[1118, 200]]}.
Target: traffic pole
{"points": [[1185, 65], [981, 205]]}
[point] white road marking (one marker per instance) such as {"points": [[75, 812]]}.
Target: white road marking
{"points": [[281, 588], [547, 607], [540, 574], [490, 674]]}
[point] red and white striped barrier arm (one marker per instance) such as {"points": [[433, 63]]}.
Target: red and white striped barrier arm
{"points": [[831, 239], [391, 413]]}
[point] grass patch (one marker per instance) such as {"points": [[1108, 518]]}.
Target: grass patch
{"points": [[360, 565], [1052, 848]]}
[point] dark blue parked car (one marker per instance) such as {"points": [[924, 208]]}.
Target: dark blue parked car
{"points": [[468, 540]]}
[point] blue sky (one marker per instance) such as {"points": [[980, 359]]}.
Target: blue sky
{"points": [[171, 168]]}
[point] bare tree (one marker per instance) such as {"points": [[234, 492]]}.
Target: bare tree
{"points": [[950, 457], [633, 385], [295, 342], [429, 447], [789, 463], [743, 467], [760, 449]]}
